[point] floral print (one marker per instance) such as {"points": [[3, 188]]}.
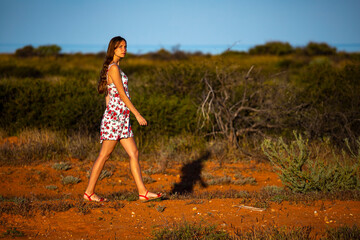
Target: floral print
{"points": [[115, 123]]}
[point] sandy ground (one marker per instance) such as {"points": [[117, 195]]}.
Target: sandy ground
{"points": [[136, 220]]}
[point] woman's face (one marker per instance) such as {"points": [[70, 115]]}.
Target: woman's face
{"points": [[121, 49]]}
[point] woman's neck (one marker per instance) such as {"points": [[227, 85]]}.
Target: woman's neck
{"points": [[116, 59]]}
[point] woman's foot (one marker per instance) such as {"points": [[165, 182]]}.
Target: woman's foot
{"points": [[94, 198], [149, 196]]}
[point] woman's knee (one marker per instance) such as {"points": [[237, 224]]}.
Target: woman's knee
{"points": [[104, 156], [134, 154]]}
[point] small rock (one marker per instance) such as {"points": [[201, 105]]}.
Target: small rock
{"points": [[195, 208], [132, 213], [316, 213], [273, 210]]}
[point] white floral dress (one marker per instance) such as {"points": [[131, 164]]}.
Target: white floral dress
{"points": [[115, 123]]}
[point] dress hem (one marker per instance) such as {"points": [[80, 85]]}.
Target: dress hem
{"points": [[101, 140]]}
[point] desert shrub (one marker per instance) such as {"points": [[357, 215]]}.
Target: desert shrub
{"points": [[329, 99], [33, 146], [27, 51], [313, 48], [7, 71], [12, 232], [104, 174], [167, 114], [223, 180], [302, 173], [239, 105], [62, 166], [180, 78], [42, 51], [125, 195], [182, 148], [48, 50], [73, 105], [51, 187], [160, 208], [273, 48], [233, 53], [343, 233], [262, 233], [163, 54], [70, 180], [82, 145], [148, 180], [70, 105], [242, 180], [186, 230]]}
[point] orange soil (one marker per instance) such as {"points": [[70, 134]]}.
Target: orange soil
{"points": [[136, 220]]}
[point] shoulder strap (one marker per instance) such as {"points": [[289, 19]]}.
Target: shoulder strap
{"points": [[111, 65]]}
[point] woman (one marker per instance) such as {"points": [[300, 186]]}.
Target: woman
{"points": [[115, 124]]}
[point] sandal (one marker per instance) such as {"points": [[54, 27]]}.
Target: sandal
{"points": [[91, 200], [148, 199]]}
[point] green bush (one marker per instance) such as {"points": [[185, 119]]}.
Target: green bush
{"points": [[27, 51], [68, 105], [312, 49], [301, 173], [42, 51], [329, 99], [272, 48], [7, 71], [48, 50]]}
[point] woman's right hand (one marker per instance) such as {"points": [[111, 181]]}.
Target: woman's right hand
{"points": [[141, 120]]}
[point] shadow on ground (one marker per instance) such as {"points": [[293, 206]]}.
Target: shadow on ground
{"points": [[190, 175]]}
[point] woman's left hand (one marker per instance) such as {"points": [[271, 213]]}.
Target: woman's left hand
{"points": [[141, 120]]}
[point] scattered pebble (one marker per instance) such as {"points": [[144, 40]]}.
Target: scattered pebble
{"points": [[316, 213], [195, 208]]}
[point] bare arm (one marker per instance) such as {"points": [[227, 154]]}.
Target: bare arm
{"points": [[107, 99], [114, 74]]}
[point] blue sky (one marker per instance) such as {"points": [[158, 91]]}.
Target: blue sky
{"points": [[179, 22]]}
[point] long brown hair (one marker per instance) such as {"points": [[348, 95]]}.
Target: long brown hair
{"points": [[113, 44]]}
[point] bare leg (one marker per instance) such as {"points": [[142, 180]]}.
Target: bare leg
{"points": [[105, 152], [131, 149]]}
